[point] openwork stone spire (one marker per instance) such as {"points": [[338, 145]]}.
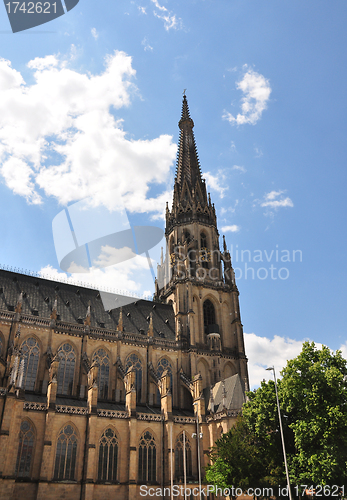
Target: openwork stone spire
{"points": [[188, 166], [190, 200]]}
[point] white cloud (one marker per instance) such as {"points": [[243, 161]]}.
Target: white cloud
{"points": [[146, 44], [239, 168], [128, 277], [58, 137], [142, 9], [171, 21], [231, 229], [271, 201], [258, 152], [17, 175], [263, 352], [343, 348], [216, 182], [256, 89], [9, 77], [95, 34]]}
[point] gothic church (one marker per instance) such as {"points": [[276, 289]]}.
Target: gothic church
{"points": [[95, 404]]}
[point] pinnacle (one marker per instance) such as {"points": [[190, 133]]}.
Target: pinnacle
{"points": [[185, 109]]}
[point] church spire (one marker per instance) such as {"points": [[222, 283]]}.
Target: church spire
{"points": [[188, 166], [190, 201]]}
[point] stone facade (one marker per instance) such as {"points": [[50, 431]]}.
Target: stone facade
{"points": [[95, 403]]}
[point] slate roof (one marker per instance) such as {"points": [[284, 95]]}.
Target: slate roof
{"points": [[234, 394], [72, 304]]}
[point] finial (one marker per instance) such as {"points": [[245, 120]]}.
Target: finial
{"points": [[87, 320], [224, 244], [211, 400], [184, 92], [224, 393], [150, 329], [54, 313], [120, 321], [19, 303]]}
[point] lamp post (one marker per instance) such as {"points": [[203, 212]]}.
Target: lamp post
{"points": [[198, 443], [272, 368]]}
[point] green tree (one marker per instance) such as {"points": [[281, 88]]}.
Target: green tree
{"points": [[313, 401], [314, 394], [241, 460]]}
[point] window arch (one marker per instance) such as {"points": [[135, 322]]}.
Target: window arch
{"points": [[187, 236], [31, 353], [203, 240], [203, 251], [108, 456], [133, 360], [209, 314], [102, 359], [163, 364], [147, 458], [65, 456], [179, 464], [66, 369], [25, 449]]}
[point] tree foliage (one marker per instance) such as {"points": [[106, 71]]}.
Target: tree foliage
{"points": [[313, 400], [241, 460]]}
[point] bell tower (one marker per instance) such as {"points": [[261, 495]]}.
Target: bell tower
{"points": [[196, 276]]}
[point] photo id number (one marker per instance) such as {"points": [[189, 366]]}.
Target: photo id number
{"points": [[31, 7]]}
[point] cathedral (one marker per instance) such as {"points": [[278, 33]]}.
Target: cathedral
{"points": [[99, 403]]}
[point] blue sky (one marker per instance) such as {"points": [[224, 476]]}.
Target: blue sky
{"points": [[89, 109]]}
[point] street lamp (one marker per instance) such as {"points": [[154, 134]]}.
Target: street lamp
{"points": [[272, 368], [198, 443]]}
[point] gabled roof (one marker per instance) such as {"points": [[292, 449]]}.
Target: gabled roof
{"points": [[40, 294], [234, 394]]}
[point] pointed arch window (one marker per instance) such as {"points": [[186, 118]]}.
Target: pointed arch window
{"points": [[209, 315], [65, 457], [163, 364], [203, 240], [66, 369], [179, 462], [25, 449], [31, 353], [102, 359], [147, 458], [203, 253], [187, 236], [133, 360], [108, 456]]}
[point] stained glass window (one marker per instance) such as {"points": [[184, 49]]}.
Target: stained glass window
{"points": [[133, 360], [108, 456], [179, 464], [65, 457], [103, 360], [147, 458], [25, 449], [66, 369], [31, 354]]}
